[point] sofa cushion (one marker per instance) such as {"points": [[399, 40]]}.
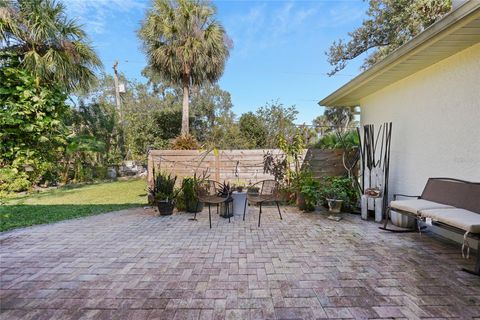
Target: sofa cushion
{"points": [[460, 218], [414, 206]]}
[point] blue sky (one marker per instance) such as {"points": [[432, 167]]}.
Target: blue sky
{"points": [[278, 51]]}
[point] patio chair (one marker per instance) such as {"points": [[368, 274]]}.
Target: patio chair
{"points": [[260, 192], [210, 192]]}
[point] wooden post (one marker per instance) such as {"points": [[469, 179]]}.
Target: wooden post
{"points": [[150, 166], [217, 166]]}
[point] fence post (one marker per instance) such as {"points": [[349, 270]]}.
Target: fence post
{"points": [[150, 165]]}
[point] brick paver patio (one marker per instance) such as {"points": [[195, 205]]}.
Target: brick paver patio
{"points": [[133, 265]]}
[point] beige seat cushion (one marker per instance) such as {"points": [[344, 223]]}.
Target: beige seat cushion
{"points": [[460, 218], [415, 205]]}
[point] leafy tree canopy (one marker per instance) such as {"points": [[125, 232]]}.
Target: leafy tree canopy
{"points": [[53, 48], [278, 120], [390, 24], [253, 130]]}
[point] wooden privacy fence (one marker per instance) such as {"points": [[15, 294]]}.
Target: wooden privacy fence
{"points": [[236, 166]]}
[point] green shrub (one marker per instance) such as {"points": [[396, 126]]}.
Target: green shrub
{"points": [[340, 188], [309, 188], [180, 202], [11, 180]]}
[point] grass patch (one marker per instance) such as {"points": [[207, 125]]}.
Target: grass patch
{"points": [[71, 202]]}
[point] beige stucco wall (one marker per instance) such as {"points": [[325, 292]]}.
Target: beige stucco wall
{"points": [[436, 122]]}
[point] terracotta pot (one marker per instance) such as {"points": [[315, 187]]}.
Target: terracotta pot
{"points": [[300, 202]]}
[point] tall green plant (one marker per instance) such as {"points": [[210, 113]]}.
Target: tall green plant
{"points": [[185, 44], [32, 130], [309, 188], [293, 149], [164, 186]]}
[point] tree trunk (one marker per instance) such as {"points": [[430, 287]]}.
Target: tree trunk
{"points": [[185, 111]]}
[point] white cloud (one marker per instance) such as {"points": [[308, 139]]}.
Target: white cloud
{"points": [[94, 13], [263, 27], [271, 24]]}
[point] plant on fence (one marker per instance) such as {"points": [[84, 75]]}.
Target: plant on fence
{"points": [[340, 189], [185, 142], [164, 192]]}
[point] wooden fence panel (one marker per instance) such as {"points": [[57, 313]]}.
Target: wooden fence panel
{"points": [[234, 166]]}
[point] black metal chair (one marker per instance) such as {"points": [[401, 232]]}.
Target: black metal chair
{"points": [[260, 192], [212, 192]]}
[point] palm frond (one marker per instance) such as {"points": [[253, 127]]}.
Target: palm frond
{"points": [[53, 48]]}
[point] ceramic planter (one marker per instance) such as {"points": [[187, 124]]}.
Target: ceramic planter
{"points": [[192, 206], [334, 205], [165, 207], [401, 220]]}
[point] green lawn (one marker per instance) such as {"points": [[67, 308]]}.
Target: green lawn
{"points": [[71, 202]]}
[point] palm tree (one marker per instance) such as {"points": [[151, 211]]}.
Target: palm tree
{"points": [[185, 45], [52, 47]]}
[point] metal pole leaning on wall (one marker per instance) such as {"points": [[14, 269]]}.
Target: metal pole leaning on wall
{"points": [[369, 147]]}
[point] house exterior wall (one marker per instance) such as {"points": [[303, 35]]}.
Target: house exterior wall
{"points": [[436, 122]]}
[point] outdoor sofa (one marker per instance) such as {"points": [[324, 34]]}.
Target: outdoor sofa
{"points": [[447, 203]]}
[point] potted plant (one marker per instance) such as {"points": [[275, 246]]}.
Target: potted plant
{"points": [[253, 189], [164, 193], [189, 197], [338, 193]]}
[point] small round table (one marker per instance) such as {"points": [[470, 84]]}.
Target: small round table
{"points": [[239, 199]]}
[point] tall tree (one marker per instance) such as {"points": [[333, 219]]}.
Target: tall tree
{"points": [[51, 47], [390, 24], [253, 130], [209, 103], [185, 45], [278, 121]]}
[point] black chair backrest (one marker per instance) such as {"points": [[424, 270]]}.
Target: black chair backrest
{"points": [[454, 192]]}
